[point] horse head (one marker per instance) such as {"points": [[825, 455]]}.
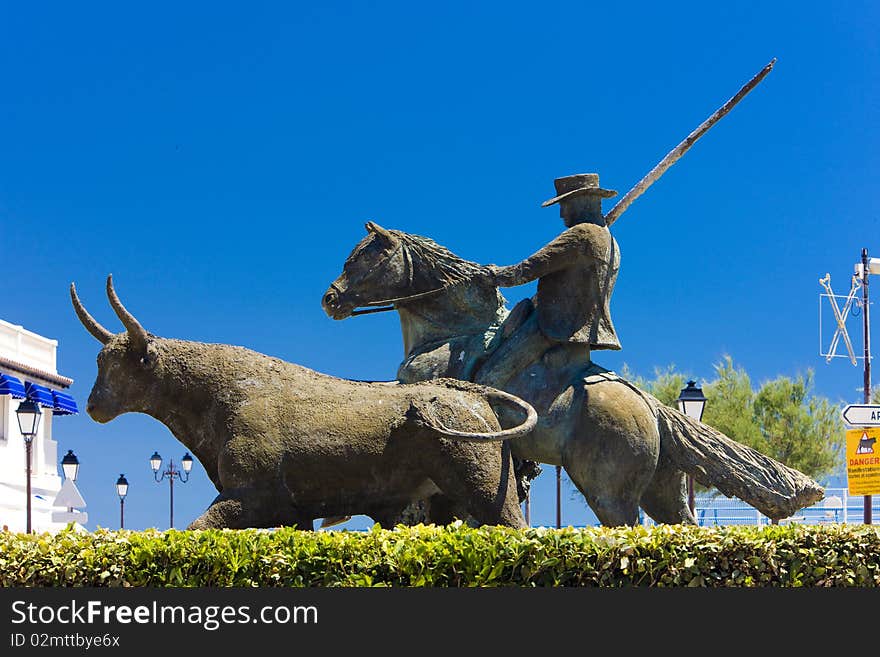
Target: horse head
{"points": [[373, 270], [394, 269]]}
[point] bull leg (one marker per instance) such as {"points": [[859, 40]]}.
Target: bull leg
{"points": [[438, 509], [485, 485], [442, 510], [387, 517], [245, 508]]}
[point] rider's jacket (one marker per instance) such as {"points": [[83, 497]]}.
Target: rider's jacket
{"points": [[576, 274]]}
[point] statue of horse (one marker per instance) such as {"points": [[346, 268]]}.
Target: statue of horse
{"points": [[621, 447]]}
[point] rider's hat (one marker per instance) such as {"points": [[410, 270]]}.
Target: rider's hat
{"points": [[576, 185]]}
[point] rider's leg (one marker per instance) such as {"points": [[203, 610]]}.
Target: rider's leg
{"points": [[513, 357]]}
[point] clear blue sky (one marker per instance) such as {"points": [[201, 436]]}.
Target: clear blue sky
{"points": [[220, 161]]}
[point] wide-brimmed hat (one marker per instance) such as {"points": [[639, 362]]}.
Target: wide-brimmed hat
{"points": [[576, 185]]}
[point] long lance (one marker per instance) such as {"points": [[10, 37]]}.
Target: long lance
{"points": [[673, 155]]}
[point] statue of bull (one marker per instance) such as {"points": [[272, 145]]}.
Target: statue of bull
{"points": [[285, 445]]}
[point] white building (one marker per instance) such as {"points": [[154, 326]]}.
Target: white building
{"points": [[27, 368]]}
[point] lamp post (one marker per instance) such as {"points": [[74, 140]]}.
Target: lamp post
{"points": [[29, 414], [866, 269], [558, 497], [172, 472], [122, 491], [691, 402], [70, 467]]}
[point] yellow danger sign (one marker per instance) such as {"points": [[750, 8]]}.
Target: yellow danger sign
{"points": [[863, 461]]}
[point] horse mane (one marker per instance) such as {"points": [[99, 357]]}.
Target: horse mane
{"points": [[429, 257]]}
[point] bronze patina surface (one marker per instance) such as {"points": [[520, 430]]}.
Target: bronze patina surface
{"points": [[285, 445], [620, 446]]}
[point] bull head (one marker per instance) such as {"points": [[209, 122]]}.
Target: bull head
{"points": [[125, 364]]}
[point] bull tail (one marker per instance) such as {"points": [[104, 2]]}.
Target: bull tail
{"points": [[736, 470], [425, 415]]}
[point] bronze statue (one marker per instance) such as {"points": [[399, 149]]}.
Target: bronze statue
{"points": [[620, 446], [576, 271], [285, 445]]}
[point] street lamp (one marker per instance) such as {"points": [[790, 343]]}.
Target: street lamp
{"points": [[122, 491], [29, 414], [70, 465], [691, 402], [172, 472], [558, 497]]}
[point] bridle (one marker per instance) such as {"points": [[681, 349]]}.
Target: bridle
{"points": [[411, 297], [387, 304]]}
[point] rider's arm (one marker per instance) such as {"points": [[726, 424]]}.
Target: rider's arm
{"points": [[562, 252]]}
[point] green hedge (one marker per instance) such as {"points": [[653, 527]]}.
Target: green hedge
{"points": [[453, 556]]}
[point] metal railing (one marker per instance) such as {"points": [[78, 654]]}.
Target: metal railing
{"points": [[837, 507]]}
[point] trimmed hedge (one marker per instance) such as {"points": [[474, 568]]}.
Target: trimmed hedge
{"points": [[452, 556]]}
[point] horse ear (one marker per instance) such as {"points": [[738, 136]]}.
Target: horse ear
{"points": [[377, 230]]}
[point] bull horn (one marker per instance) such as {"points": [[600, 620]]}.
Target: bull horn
{"points": [[99, 332], [428, 418], [136, 332]]}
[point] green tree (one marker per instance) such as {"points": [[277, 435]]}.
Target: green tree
{"points": [[665, 386], [730, 405], [797, 428]]}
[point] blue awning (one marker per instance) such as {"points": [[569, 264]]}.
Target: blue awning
{"points": [[9, 385], [40, 394], [64, 404]]}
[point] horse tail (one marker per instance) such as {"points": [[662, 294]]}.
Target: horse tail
{"points": [[424, 414], [736, 470]]}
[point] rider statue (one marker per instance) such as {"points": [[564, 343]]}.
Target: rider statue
{"points": [[576, 274]]}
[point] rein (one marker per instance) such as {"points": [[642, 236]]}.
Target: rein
{"points": [[389, 303]]}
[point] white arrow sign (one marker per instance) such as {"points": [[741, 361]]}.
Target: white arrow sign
{"points": [[69, 496], [862, 415]]}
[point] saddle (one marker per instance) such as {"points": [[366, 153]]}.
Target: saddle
{"points": [[521, 352]]}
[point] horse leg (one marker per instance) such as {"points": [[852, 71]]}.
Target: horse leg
{"points": [[483, 484], [665, 498], [612, 505], [612, 451]]}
